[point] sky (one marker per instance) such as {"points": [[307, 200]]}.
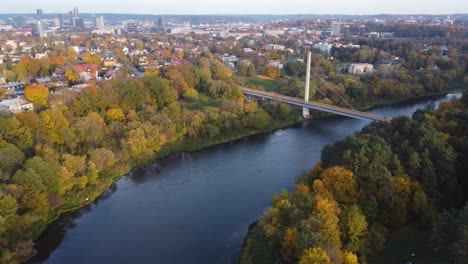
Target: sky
{"points": [[357, 7]]}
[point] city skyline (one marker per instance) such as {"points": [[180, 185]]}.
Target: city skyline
{"points": [[358, 7]]}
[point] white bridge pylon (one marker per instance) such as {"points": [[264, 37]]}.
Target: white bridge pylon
{"points": [[305, 110]]}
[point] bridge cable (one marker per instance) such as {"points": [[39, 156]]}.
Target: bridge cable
{"points": [[333, 90]]}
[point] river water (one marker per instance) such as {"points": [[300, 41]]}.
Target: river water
{"points": [[196, 207]]}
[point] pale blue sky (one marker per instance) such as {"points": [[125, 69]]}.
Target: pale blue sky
{"points": [[239, 6]]}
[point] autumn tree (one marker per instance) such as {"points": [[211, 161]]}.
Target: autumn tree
{"points": [[356, 225], [290, 245], [341, 183], [272, 71], [37, 94], [115, 114], [72, 75], [315, 255]]}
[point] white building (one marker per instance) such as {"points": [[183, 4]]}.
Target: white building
{"points": [[16, 105], [335, 30], [272, 47], [360, 68], [100, 22]]}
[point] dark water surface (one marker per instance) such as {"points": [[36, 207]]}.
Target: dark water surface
{"points": [[196, 207]]}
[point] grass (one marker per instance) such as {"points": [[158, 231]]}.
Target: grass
{"points": [[268, 84], [403, 242], [202, 102]]}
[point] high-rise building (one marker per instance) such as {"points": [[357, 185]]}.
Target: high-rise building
{"points": [[39, 13], [71, 19], [57, 22], [60, 20], [19, 21], [362, 31], [76, 13], [346, 31], [79, 23], [100, 22], [160, 22], [41, 27], [335, 28]]}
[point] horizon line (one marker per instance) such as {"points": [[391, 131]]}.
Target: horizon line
{"points": [[248, 14]]}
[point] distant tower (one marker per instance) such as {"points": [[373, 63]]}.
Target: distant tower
{"points": [[335, 28], [60, 20], [39, 13], [305, 111], [362, 31], [76, 13], [71, 19], [160, 22], [346, 31], [100, 22]]}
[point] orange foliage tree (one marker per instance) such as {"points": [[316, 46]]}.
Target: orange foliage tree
{"points": [[37, 93]]}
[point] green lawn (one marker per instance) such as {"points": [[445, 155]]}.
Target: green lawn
{"points": [[255, 81], [202, 102], [402, 243]]}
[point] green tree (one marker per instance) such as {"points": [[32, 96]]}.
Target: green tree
{"points": [[356, 225]]}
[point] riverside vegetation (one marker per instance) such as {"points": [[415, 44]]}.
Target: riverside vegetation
{"points": [[410, 173], [75, 146], [67, 152]]}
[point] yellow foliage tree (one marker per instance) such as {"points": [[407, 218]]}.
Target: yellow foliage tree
{"points": [[290, 244], [37, 93], [315, 255], [115, 114], [350, 258], [272, 71], [93, 59], [72, 75], [152, 72], [341, 183]]}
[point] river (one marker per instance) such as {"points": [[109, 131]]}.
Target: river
{"points": [[196, 207]]}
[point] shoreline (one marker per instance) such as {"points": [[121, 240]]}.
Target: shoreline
{"points": [[185, 146], [252, 229]]}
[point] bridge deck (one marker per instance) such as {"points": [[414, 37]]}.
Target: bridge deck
{"points": [[315, 105]]}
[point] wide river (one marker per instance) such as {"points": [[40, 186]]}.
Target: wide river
{"points": [[196, 207]]}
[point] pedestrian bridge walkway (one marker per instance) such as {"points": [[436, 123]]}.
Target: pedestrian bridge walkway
{"points": [[314, 105]]}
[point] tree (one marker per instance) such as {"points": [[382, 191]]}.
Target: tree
{"points": [[272, 71], [190, 94], [103, 158], [356, 224], [290, 245], [220, 90], [37, 94], [16, 133], [161, 91], [10, 158], [93, 59], [8, 208], [350, 258], [115, 114], [72, 75], [315, 255], [90, 130], [341, 183], [295, 68], [246, 68]]}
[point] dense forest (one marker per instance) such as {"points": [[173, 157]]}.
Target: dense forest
{"points": [[407, 173], [74, 146]]}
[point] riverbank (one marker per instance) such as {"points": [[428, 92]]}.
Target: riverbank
{"points": [[182, 146], [256, 248], [186, 145]]}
